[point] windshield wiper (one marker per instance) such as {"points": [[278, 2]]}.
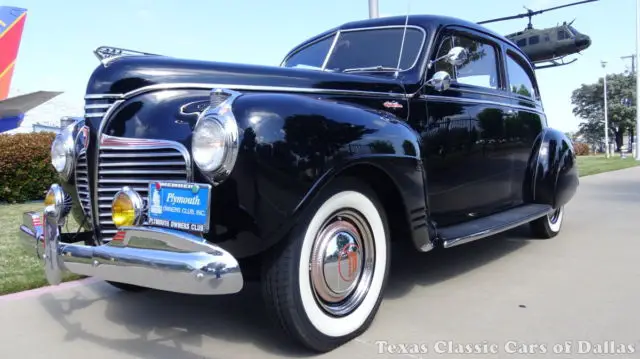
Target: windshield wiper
{"points": [[372, 68]]}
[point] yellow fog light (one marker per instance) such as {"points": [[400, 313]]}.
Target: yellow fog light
{"points": [[50, 199], [126, 208]]}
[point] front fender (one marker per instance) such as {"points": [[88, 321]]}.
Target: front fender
{"points": [[292, 145], [552, 172]]}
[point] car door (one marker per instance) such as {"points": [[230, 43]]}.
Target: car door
{"points": [[467, 163], [523, 128]]}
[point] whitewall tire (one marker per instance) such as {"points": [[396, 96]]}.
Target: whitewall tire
{"points": [[548, 226], [325, 284]]}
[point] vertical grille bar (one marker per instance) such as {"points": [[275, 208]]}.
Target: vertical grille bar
{"points": [[82, 184]]}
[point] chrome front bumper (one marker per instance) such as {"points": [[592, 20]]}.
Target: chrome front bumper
{"points": [[149, 257]]}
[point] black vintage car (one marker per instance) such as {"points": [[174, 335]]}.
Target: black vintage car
{"points": [[194, 177]]}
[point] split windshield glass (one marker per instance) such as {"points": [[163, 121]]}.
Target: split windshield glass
{"points": [[364, 50]]}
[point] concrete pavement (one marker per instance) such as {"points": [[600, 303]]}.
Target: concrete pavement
{"points": [[498, 297]]}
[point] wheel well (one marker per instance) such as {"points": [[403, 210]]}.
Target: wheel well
{"points": [[388, 194]]}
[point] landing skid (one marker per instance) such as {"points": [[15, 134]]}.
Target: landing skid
{"points": [[553, 63], [484, 227]]}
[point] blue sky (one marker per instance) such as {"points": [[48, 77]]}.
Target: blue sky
{"points": [[56, 50]]}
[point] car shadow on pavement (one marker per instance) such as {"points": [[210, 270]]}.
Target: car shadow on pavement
{"points": [[157, 324], [410, 268]]}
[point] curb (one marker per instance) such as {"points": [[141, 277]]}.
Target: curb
{"points": [[46, 289]]}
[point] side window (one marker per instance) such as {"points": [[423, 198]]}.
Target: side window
{"points": [[481, 68], [312, 55], [522, 43], [534, 40], [520, 81]]}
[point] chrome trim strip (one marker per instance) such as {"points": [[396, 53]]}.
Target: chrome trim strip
{"points": [[237, 87], [104, 96], [95, 114], [540, 211], [482, 102], [331, 48], [97, 106]]}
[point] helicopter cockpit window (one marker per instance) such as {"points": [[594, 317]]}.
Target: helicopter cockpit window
{"points": [[522, 43], [563, 35], [520, 81], [534, 40], [480, 69]]}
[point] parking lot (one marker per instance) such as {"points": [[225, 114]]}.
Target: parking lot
{"points": [[507, 296]]}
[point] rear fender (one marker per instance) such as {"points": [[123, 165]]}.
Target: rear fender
{"points": [[552, 172]]}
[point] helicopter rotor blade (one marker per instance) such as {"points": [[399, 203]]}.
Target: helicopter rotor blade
{"points": [[562, 6], [519, 16], [531, 13]]}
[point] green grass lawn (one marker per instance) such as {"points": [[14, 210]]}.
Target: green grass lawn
{"points": [[589, 165], [18, 270]]}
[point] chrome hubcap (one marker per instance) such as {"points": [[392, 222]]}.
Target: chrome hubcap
{"points": [[341, 265], [554, 216]]}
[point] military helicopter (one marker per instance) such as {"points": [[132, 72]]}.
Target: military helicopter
{"points": [[548, 47]]}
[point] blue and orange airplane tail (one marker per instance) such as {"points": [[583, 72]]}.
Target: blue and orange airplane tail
{"points": [[12, 110]]}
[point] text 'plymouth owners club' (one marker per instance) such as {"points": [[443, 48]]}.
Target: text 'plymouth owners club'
{"points": [[194, 177]]}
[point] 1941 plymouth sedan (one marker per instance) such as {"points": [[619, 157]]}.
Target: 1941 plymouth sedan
{"points": [[194, 177]]}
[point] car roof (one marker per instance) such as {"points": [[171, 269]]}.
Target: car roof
{"points": [[427, 22]]}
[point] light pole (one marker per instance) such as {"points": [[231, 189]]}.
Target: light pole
{"points": [[637, 136], [373, 9], [606, 118]]}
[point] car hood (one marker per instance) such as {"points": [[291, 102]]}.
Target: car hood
{"points": [[129, 73]]}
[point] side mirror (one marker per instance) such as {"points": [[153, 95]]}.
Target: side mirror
{"points": [[441, 81], [457, 56]]}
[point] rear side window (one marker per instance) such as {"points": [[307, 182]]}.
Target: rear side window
{"points": [[534, 40], [520, 80]]}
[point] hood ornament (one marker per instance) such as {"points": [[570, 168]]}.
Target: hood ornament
{"points": [[107, 54]]}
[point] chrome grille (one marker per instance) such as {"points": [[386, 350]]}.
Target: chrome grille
{"points": [[96, 106], [82, 183], [135, 163]]}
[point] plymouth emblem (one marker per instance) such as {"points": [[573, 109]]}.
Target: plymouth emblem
{"points": [[392, 105]]}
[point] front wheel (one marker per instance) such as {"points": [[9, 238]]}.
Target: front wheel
{"points": [[548, 226], [325, 285]]}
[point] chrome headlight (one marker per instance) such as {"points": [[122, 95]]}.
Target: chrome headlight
{"points": [[63, 152], [215, 137]]}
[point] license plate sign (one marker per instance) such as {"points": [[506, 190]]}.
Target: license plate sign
{"points": [[181, 206]]}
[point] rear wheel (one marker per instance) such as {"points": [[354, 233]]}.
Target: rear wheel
{"points": [[548, 226], [325, 285]]}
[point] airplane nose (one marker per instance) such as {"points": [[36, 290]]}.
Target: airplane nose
{"points": [[583, 42]]}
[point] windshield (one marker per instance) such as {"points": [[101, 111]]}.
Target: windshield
{"points": [[365, 50]]}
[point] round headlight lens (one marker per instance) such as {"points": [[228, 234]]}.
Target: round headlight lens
{"points": [[123, 212], [209, 144], [58, 155]]}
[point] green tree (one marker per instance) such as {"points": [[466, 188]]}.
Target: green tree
{"points": [[588, 104]]}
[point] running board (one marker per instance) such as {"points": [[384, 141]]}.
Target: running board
{"points": [[490, 225]]}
